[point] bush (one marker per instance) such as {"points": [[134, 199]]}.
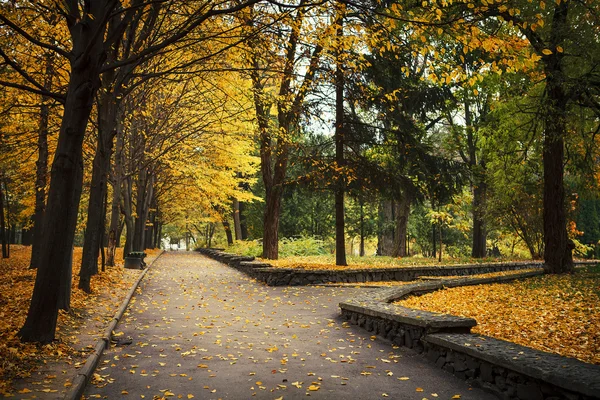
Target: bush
{"points": [[301, 246]]}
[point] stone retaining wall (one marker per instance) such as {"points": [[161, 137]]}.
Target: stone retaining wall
{"points": [[510, 371], [297, 277]]}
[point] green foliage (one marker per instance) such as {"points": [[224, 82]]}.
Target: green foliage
{"points": [[288, 247]]}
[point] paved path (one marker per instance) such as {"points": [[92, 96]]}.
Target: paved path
{"points": [[203, 330]]}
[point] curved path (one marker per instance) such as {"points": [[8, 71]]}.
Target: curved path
{"points": [[200, 329]]}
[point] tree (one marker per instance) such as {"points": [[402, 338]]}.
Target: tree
{"points": [[275, 61], [89, 39]]}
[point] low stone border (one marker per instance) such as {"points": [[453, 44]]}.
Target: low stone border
{"points": [[85, 373], [513, 371], [506, 369], [298, 277]]}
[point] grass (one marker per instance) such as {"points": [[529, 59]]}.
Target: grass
{"points": [[554, 313], [327, 262]]}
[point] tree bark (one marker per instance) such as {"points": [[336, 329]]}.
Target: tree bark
{"points": [[129, 219], [66, 180], [402, 211], [145, 187], [385, 237], [340, 240], [99, 187], [243, 224], [237, 225], [479, 231], [3, 233], [41, 165], [115, 214], [228, 233], [557, 246]]}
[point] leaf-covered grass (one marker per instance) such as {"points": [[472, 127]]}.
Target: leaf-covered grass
{"points": [[18, 360], [554, 313], [327, 262]]}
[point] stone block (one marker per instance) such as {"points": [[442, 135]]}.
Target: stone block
{"points": [[529, 391], [441, 361], [398, 340], [487, 374], [460, 364], [500, 382]]}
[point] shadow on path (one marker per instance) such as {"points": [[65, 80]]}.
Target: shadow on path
{"points": [[200, 329]]}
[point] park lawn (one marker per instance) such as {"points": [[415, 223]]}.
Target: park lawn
{"points": [[327, 262], [554, 313], [19, 360], [400, 283]]}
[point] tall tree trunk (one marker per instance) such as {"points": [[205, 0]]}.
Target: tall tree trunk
{"points": [[117, 180], [402, 211], [129, 219], [557, 246], [3, 233], [228, 233], [243, 224], [340, 239], [385, 236], [65, 186], [362, 227], [107, 106], [237, 225], [479, 231], [144, 196], [41, 165]]}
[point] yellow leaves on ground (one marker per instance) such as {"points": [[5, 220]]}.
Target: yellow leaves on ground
{"points": [[16, 285], [328, 262], [554, 313]]}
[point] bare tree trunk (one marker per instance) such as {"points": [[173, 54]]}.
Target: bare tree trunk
{"points": [[99, 187], [129, 220], [243, 224], [402, 211], [65, 191], [362, 228], [3, 234], [117, 177], [237, 225], [479, 231], [340, 240], [385, 237], [557, 246], [228, 233], [41, 165]]}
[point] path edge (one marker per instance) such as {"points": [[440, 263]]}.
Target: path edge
{"points": [[85, 373]]}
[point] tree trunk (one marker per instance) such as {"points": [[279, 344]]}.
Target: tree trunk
{"points": [[340, 240], [129, 219], [362, 228], [237, 225], [557, 246], [227, 228], [441, 243], [243, 224], [3, 234], [65, 186], [385, 237], [144, 196], [41, 165], [479, 231], [115, 214], [98, 189], [402, 211]]}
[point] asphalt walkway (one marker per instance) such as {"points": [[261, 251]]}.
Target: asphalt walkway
{"points": [[199, 329]]}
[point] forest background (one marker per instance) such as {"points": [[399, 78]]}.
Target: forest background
{"points": [[430, 128]]}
